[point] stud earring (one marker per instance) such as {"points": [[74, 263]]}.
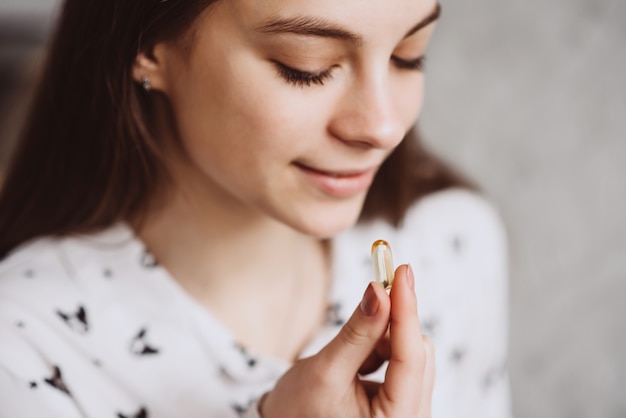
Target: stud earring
{"points": [[146, 83]]}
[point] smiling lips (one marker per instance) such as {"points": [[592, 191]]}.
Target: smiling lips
{"points": [[338, 183]]}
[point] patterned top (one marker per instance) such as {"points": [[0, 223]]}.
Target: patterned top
{"points": [[92, 326]]}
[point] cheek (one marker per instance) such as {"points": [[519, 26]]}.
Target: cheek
{"points": [[248, 100], [240, 117], [277, 114], [409, 99]]}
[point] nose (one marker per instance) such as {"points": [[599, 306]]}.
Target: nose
{"points": [[367, 116]]}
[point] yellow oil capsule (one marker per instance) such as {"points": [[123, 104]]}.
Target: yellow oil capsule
{"points": [[383, 264]]}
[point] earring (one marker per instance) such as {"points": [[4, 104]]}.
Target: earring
{"points": [[146, 83]]}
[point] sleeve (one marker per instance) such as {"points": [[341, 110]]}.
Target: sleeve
{"points": [[489, 381], [28, 386], [459, 250], [253, 410], [472, 361]]}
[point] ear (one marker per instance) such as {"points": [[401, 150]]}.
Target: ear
{"points": [[150, 65]]}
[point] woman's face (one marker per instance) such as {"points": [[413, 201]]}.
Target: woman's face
{"points": [[289, 107]]}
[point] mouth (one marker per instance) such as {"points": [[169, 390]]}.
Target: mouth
{"points": [[340, 183]]}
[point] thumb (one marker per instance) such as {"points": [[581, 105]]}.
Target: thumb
{"points": [[345, 354]]}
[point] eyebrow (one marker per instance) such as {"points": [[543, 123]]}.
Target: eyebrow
{"points": [[434, 15], [314, 26]]}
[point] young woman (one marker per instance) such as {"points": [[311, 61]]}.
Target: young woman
{"points": [[186, 225]]}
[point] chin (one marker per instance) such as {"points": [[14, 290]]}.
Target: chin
{"points": [[327, 222], [325, 231]]}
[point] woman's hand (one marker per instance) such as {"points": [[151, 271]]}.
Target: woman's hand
{"points": [[328, 384]]}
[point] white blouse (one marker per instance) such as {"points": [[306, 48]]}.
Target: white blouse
{"points": [[92, 326]]}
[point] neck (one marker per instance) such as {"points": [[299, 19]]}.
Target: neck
{"points": [[264, 281], [209, 239], [212, 244]]}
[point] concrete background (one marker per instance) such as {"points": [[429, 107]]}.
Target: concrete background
{"points": [[529, 98]]}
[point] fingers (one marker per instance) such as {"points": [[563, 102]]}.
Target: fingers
{"points": [[429, 379], [381, 354], [371, 388], [405, 373], [345, 354]]}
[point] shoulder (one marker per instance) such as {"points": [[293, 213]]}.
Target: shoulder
{"points": [[458, 242], [55, 274], [460, 229], [64, 257], [460, 215], [37, 255], [35, 284], [452, 236], [455, 207], [456, 216], [454, 239], [51, 292], [33, 272]]}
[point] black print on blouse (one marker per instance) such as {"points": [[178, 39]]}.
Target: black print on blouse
{"points": [[29, 274], [148, 260], [240, 410], [97, 363], [493, 375], [33, 385], [332, 315], [489, 379], [223, 372], [142, 413], [458, 245], [56, 381], [429, 326], [251, 361], [140, 345], [77, 320], [225, 376], [457, 355], [108, 273], [20, 324]]}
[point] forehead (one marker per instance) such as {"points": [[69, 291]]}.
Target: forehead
{"points": [[370, 19]]}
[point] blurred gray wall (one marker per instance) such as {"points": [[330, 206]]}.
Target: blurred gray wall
{"points": [[24, 25], [529, 98], [22, 7]]}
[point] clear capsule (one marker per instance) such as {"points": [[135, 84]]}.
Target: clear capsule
{"points": [[383, 264]]}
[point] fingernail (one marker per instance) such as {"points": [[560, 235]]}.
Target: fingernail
{"points": [[369, 303], [410, 278]]}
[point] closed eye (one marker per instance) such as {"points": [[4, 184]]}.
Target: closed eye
{"points": [[302, 78], [416, 64]]}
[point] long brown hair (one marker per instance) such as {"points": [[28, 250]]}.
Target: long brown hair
{"points": [[86, 158]]}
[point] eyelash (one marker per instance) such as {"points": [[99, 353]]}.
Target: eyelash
{"points": [[302, 78], [416, 64], [305, 79]]}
